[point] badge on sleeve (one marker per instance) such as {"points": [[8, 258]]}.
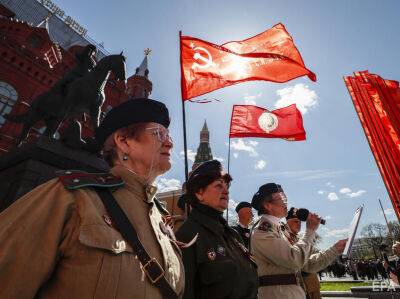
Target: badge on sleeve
{"points": [[211, 254], [265, 226]]}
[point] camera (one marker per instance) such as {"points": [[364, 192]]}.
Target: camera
{"points": [[301, 214]]}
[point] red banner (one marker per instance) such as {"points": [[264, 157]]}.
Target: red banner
{"points": [[269, 56], [253, 121], [377, 102]]}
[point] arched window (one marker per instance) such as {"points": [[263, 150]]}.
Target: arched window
{"points": [[8, 97]]}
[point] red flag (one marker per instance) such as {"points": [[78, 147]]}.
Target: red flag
{"points": [[253, 121], [269, 56], [377, 103]]}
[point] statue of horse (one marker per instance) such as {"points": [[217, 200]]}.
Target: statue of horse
{"points": [[83, 95]]}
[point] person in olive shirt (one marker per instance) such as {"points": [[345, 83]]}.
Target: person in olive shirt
{"points": [[217, 264], [245, 215]]}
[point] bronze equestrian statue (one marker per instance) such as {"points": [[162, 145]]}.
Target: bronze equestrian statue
{"points": [[82, 95]]}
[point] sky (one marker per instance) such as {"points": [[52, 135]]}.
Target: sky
{"points": [[331, 173]]}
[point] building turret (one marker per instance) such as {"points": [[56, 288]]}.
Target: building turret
{"points": [[204, 150], [139, 85]]}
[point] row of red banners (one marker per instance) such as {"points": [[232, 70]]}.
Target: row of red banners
{"points": [[377, 102]]}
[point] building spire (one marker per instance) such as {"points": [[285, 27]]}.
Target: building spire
{"points": [[204, 150], [143, 70], [139, 85]]}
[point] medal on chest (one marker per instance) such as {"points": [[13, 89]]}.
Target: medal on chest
{"points": [[211, 254]]}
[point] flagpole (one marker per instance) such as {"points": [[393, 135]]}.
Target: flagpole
{"points": [[183, 110], [387, 223], [229, 158], [184, 120]]}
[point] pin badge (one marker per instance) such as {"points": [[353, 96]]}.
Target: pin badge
{"points": [[211, 254], [119, 246], [107, 219], [221, 250], [247, 235]]}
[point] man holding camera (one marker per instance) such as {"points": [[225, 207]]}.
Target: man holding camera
{"points": [[318, 259], [279, 262]]}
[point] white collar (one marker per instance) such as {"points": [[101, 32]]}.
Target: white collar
{"points": [[272, 219]]}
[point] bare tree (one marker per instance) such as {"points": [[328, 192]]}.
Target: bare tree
{"points": [[374, 234]]}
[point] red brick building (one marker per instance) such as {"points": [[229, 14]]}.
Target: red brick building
{"points": [[31, 62]]}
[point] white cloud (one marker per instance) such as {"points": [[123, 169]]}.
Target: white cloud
{"points": [[235, 155], [329, 184], [164, 185], [250, 102], [356, 194], [345, 190], [232, 215], [351, 194], [260, 164], [251, 99], [321, 192], [253, 142], [219, 159], [327, 217], [246, 146], [191, 154], [337, 232], [333, 196], [299, 94]]}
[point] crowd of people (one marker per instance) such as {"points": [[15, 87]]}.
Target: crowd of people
{"points": [[358, 269], [85, 235]]}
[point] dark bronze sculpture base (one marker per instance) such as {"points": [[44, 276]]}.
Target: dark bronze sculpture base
{"points": [[30, 165]]}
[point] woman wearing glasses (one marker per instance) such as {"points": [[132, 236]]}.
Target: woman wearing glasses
{"points": [[279, 262], [60, 241], [217, 264]]}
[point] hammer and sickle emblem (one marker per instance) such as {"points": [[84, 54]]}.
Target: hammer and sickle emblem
{"points": [[206, 59]]}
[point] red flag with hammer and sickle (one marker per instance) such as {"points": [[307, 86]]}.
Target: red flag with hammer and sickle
{"points": [[253, 121], [269, 56]]}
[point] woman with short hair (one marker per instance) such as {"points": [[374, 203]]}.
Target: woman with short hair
{"points": [[217, 265], [61, 241]]}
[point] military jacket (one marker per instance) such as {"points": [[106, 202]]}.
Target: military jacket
{"points": [[275, 255], [318, 261], [244, 234], [59, 243], [216, 265]]}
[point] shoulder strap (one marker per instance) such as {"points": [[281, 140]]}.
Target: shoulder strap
{"points": [[76, 179], [150, 266]]}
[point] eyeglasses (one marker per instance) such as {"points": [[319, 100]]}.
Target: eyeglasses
{"points": [[280, 197], [161, 133]]}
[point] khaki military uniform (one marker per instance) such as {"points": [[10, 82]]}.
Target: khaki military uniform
{"points": [[318, 261], [56, 243], [275, 255]]}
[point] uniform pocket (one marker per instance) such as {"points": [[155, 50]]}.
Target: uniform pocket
{"points": [[109, 246], [217, 278], [103, 237]]}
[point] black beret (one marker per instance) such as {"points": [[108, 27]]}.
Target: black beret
{"points": [[204, 168], [131, 112], [243, 204], [263, 191]]}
